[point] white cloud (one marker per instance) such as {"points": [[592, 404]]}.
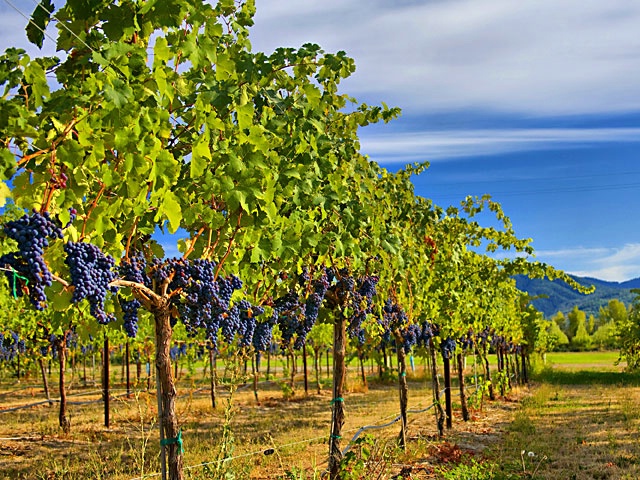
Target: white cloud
{"points": [[613, 264], [540, 57], [537, 57], [446, 144]]}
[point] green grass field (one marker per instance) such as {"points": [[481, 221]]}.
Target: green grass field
{"points": [[603, 359]]}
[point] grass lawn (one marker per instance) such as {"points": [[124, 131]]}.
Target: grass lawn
{"points": [[599, 359]]}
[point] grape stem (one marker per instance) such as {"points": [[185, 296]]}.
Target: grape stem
{"points": [[148, 296]]}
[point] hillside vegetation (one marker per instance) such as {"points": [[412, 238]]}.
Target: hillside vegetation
{"points": [[562, 298]]}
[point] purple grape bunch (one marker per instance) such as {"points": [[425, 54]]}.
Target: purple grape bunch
{"points": [[132, 268], [91, 273], [448, 347], [288, 313], [205, 302], [356, 294], [11, 345], [411, 336], [26, 269]]}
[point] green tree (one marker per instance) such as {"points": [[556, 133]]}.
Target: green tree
{"points": [[560, 320], [615, 311], [627, 328], [575, 318], [558, 340], [591, 324], [581, 340], [604, 338]]}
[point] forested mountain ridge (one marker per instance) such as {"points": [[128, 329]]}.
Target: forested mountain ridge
{"points": [[561, 297]]}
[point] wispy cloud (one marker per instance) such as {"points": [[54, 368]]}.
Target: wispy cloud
{"points": [[540, 57], [613, 264], [537, 57], [447, 144]]}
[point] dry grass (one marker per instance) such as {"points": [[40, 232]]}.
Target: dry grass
{"points": [[296, 429], [587, 429], [584, 431]]}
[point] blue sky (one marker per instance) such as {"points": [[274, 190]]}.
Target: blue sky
{"points": [[536, 102]]}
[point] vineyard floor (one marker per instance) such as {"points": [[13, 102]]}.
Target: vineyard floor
{"points": [[580, 423]]}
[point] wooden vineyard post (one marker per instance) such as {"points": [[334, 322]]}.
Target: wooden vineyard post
{"points": [[45, 381], [105, 379], [304, 366], [436, 389], [402, 390], [337, 402], [446, 364], [127, 369], [463, 397], [64, 421], [487, 370], [214, 372]]}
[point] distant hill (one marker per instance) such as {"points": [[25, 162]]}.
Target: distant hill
{"points": [[563, 298]]}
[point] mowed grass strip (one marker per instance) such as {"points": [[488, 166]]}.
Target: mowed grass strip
{"points": [[577, 424]]}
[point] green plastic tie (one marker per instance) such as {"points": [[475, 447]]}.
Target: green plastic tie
{"points": [[171, 441], [339, 399], [15, 280], [337, 437], [403, 374]]}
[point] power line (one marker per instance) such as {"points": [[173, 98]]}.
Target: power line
{"points": [[28, 18]]}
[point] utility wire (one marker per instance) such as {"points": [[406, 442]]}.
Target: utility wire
{"points": [[28, 18]]}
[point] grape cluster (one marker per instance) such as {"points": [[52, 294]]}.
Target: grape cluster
{"points": [[204, 302], [73, 213], [448, 347], [91, 273], [248, 322], [55, 342], [130, 316], [467, 341], [312, 304], [354, 294], [178, 351], [262, 336], [498, 341], [288, 313], [429, 331], [11, 345], [411, 335], [26, 268], [133, 268], [483, 338], [393, 315], [362, 305]]}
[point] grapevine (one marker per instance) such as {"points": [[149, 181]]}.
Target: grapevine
{"points": [[26, 268]]}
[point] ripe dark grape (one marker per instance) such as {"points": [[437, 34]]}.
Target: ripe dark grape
{"points": [[130, 316], [26, 269], [448, 347], [204, 301], [73, 213], [11, 345], [410, 336], [288, 313], [133, 269], [91, 272]]}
